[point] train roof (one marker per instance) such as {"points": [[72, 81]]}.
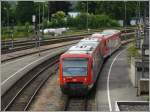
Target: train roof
{"points": [[80, 50], [88, 43], [97, 35], [105, 33], [110, 32], [83, 47], [89, 40]]}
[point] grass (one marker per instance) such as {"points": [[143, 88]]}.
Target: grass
{"points": [[133, 52], [146, 98], [16, 35]]}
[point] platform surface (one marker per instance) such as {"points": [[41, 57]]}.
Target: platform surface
{"points": [[11, 67], [120, 87]]}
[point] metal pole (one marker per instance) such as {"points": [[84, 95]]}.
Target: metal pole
{"points": [[43, 21], [12, 35], [39, 39], [39, 16], [87, 17], [139, 13], [7, 24], [125, 17], [48, 11]]}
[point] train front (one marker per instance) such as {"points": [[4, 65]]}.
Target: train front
{"points": [[75, 75]]}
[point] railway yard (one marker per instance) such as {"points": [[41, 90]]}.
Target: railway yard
{"points": [[30, 81], [75, 56]]}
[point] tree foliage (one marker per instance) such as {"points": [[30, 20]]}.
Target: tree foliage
{"points": [[58, 19], [21, 12], [114, 9], [25, 10], [85, 20], [7, 13], [55, 6]]}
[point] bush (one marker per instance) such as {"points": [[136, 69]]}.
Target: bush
{"points": [[58, 19], [71, 22], [45, 23], [27, 25], [133, 52], [94, 21], [81, 20], [113, 23]]}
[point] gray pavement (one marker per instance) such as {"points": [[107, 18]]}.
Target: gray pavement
{"points": [[30, 51], [11, 67], [120, 87]]}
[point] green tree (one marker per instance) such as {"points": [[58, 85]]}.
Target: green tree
{"points": [[55, 6], [114, 9], [94, 21], [5, 9], [83, 5], [25, 10], [59, 19]]}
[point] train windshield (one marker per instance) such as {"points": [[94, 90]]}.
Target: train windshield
{"points": [[75, 67]]}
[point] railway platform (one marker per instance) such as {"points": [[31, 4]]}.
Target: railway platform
{"points": [[115, 81], [16, 64], [13, 55]]}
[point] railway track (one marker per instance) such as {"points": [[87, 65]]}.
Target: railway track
{"points": [[23, 53], [21, 94], [26, 44], [123, 37], [7, 48], [76, 104], [29, 40]]}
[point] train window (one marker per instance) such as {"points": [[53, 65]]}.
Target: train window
{"points": [[75, 67]]}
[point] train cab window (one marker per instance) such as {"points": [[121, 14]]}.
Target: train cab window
{"points": [[75, 67]]}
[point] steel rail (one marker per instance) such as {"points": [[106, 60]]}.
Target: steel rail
{"points": [[22, 46], [27, 85], [73, 103], [37, 89], [7, 45], [24, 41]]}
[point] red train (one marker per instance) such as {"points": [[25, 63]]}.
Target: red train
{"points": [[79, 66]]}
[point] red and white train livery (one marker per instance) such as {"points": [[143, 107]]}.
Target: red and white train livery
{"points": [[80, 65]]}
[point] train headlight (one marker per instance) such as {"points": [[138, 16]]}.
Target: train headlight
{"points": [[85, 79]]}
